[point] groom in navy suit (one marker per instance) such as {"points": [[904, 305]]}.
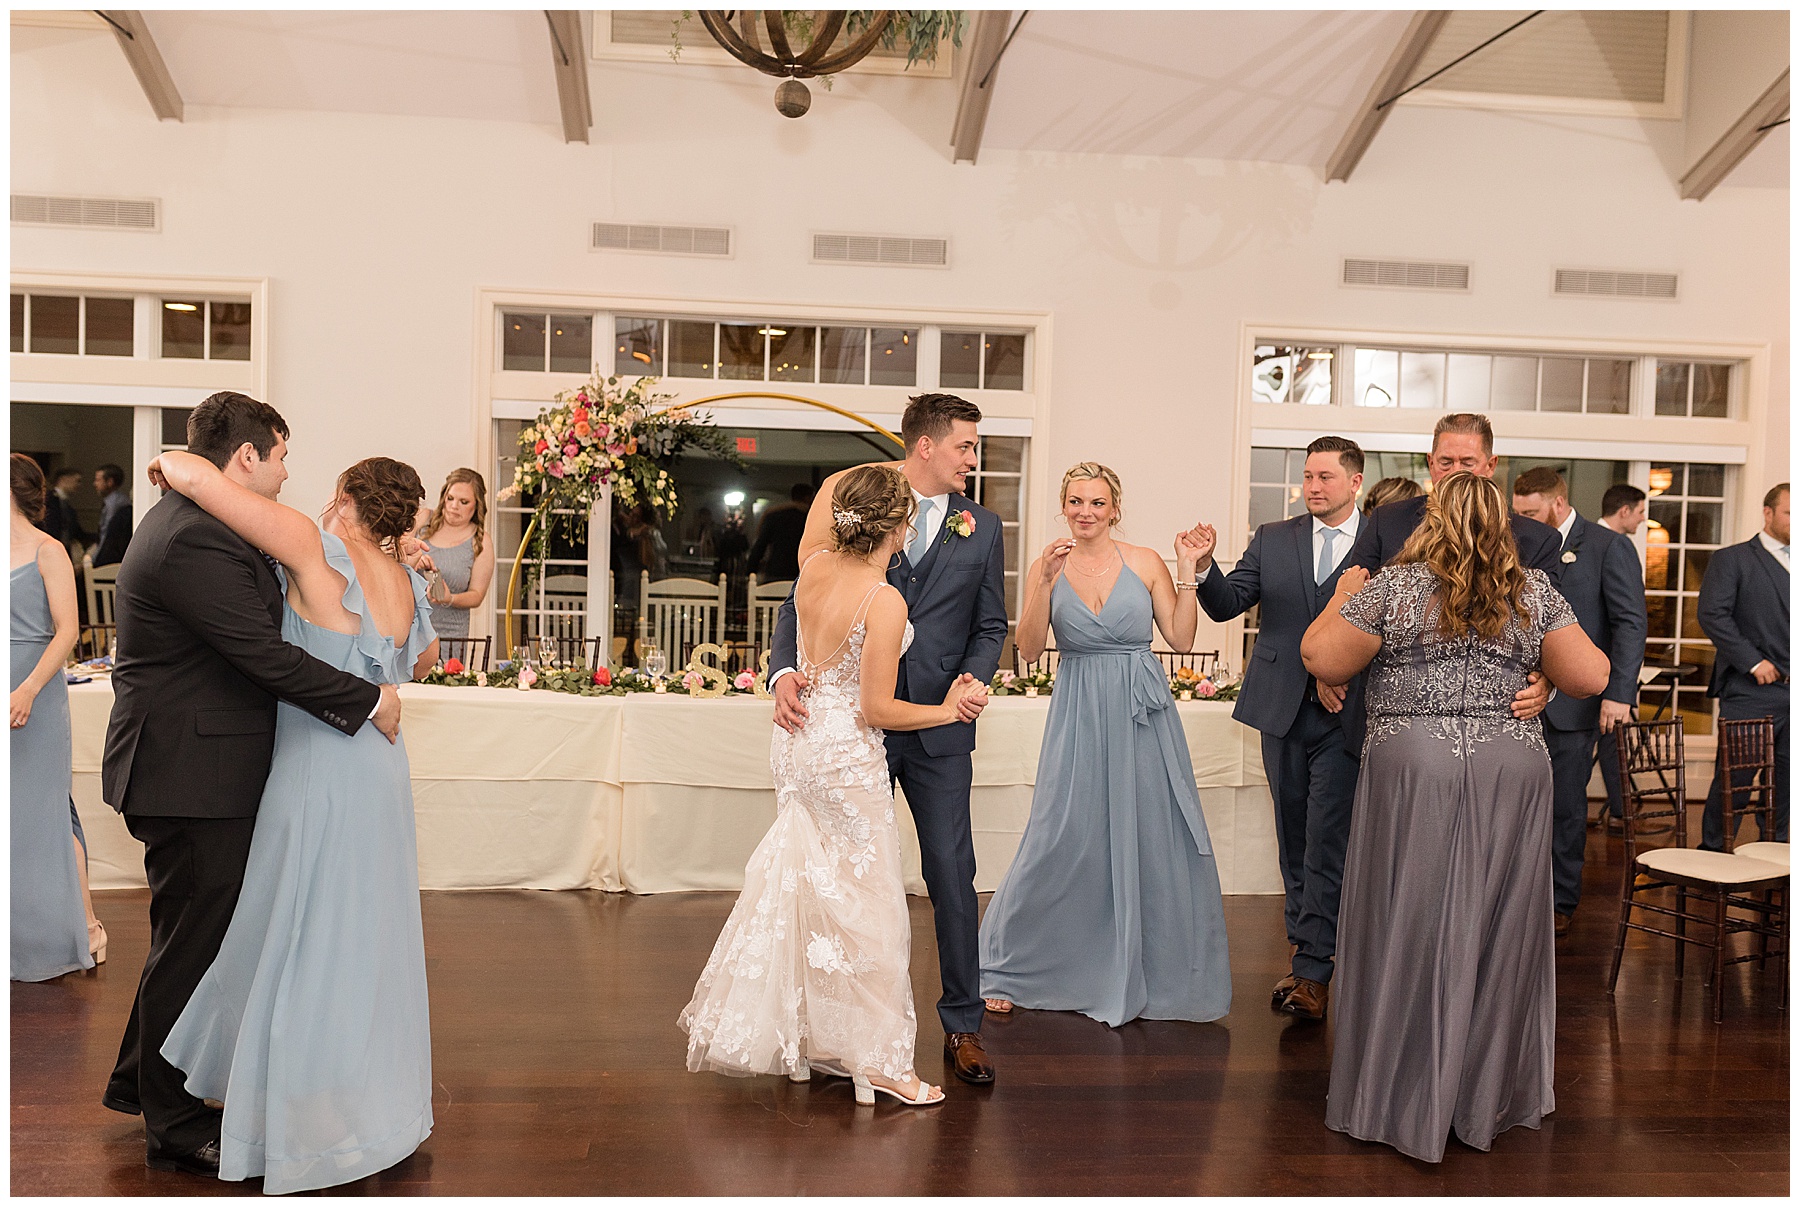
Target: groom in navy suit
{"points": [[1291, 568], [1604, 582], [953, 577], [1744, 610]]}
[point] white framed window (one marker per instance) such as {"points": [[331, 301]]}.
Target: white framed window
{"points": [[765, 350], [982, 360], [1688, 520]]}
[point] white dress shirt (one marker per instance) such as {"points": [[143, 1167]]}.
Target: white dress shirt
{"points": [[1564, 528], [1776, 549], [932, 512]]}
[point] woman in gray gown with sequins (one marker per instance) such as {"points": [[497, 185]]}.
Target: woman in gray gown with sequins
{"points": [[1446, 963], [1111, 906]]}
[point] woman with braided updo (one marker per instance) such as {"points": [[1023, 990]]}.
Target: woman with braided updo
{"points": [[311, 1025], [811, 972]]}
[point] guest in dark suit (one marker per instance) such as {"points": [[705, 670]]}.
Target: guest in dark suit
{"points": [[1604, 583], [1744, 611], [1622, 509], [1460, 442], [1291, 568], [60, 519], [778, 537], [115, 515], [201, 666], [955, 593]]}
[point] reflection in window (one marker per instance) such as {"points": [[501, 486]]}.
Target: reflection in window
{"points": [[690, 348], [1686, 523], [976, 360], [741, 350], [1003, 363], [521, 342], [1693, 388], [571, 343], [18, 322], [1377, 378], [893, 356], [1422, 379], [107, 331], [228, 330], [637, 346], [959, 360], [791, 352], [1282, 373], [843, 355], [183, 328]]}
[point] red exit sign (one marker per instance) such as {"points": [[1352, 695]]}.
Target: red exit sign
{"points": [[746, 446]]}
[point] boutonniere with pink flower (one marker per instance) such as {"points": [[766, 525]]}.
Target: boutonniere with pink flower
{"points": [[962, 524]]}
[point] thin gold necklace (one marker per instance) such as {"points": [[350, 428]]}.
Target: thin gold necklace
{"points": [[1104, 567]]}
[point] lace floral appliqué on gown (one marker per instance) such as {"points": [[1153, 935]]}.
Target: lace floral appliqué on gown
{"points": [[813, 963]]}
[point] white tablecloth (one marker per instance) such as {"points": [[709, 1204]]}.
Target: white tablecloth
{"points": [[651, 794]]}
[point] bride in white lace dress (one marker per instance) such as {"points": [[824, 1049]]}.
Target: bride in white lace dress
{"points": [[812, 969]]}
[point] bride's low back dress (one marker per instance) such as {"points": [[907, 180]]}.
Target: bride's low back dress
{"points": [[813, 966], [312, 1024], [1446, 960], [1111, 906]]}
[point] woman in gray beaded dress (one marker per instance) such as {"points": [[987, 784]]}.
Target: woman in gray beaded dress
{"points": [[1446, 961], [461, 553]]}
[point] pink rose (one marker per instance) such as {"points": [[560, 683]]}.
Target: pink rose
{"points": [[555, 469], [745, 681], [571, 448], [603, 677], [693, 680], [1205, 690]]}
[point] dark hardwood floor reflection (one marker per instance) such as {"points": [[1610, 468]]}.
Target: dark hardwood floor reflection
{"points": [[560, 1071]]}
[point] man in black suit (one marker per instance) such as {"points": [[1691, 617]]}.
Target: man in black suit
{"points": [[1604, 583], [115, 515], [778, 537], [955, 591], [1744, 612], [1623, 508], [1291, 568], [201, 665], [60, 519]]}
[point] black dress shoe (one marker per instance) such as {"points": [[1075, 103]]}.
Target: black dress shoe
{"points": [[203, 1161]]}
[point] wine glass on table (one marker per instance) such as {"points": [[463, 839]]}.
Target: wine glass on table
{"points": [[655, 662]]}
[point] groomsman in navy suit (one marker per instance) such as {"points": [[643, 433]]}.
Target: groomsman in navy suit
{"points": [[1604, 582], [1291, 568], [1744, 611], [1622, 509]]}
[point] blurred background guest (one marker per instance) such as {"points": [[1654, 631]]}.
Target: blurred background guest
{"points": [[1390, 490], [776, 555], [1622, 508], [1744, 611], [700, 537], [115, 515], [461, 552], [60, 518], [52, 932]]}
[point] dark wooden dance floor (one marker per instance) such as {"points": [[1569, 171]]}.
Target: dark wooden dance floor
{"points": [[560, 1071]]}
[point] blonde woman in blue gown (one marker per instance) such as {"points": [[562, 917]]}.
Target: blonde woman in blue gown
{"points": [[1111, 906]]}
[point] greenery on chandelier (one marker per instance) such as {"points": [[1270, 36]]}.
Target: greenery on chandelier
{"points": [[920, 30]]}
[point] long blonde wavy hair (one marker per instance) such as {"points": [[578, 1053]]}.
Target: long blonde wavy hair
{"points": [[1466, 539], [478, 485]]}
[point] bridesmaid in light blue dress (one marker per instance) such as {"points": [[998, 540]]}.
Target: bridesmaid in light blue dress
{"points": [[50, 934], [312, 1024], [1111, 906]]}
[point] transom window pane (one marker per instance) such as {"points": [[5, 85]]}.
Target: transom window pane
{"points": [[18, 322], [843, 355], [183, 328], [1004, 367], [1422, 379], [893, 356], [1377, 378], [1282, 373], [571, 343], [1515, 383], [230, 339], [1672, 388], [959, 360], [1469, 377], [1712, 384], [791, 352], [55, 324], [690, 349], [1609, 387], [741, 348], [1560, 385], [109, 323], [637, 346], [521, 341]]}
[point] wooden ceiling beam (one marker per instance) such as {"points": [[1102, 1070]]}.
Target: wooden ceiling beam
{"points": [[146, 61], [980, 58], [1770, 109], [1374, 110], [569, 60]]}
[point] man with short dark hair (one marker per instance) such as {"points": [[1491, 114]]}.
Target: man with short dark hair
{"points": [[778, 536], [955, 594], [115, 515], [1622, 508], [1291, 568], [201, 665], [1604, 584], [60, 518], [1744, 612]]}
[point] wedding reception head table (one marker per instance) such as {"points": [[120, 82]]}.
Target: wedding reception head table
{"points": [[651, 793]]}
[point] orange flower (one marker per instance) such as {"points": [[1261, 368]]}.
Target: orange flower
{"points": [[582, 429]]}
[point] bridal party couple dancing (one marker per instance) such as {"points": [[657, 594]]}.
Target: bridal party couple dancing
{"points": [[280, 1027], [1416, 805]]}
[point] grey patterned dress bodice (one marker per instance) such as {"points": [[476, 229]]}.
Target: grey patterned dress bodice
{"points": [[1421, 674]]}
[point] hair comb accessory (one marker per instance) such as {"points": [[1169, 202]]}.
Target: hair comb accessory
{"points": [[843, 518]]}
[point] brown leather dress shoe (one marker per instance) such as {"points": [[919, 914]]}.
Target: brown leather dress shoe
{"points": [[968, 1059], [1563, 922], [1308, 1000], [1283, 987]]}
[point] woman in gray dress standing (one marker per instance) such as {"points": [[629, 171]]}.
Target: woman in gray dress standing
{"points": [[461, 553], [50, 933], [1446, 960], [1111, 906]]}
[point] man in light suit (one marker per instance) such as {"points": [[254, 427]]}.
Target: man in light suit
{"points": [[955, 590], [1604, 583], [1744, 612], [1291, 568]]}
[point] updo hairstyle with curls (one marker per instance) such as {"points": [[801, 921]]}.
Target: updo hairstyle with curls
{"points": [[1093, 470], [387, 494], [871, 501], [28, 487]]}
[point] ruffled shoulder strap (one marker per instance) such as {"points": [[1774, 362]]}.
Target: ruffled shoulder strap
{"points": [[389, 662]]}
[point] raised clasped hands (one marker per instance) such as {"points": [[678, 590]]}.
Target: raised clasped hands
{"points": [[1194, 549], [968, 695]]}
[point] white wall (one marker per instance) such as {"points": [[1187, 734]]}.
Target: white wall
{"points": [[376, 232]]}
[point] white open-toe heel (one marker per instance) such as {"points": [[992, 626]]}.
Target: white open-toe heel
{"points": [[803, 1073], [866, 1090]]}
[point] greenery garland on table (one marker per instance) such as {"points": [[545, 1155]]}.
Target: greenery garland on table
{"points": [[580, 681], [1043, 683]]}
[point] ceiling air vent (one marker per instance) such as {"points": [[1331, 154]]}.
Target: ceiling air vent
{"points": [[111, 213], [1406, 274], [881, 249], [1592, 282], [662, 240]]}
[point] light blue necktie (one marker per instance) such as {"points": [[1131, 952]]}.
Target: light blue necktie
{"points": [[921, 541], [1326, 564]]}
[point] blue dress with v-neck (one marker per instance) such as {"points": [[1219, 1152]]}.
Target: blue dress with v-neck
{"points": [[1111, 906]]}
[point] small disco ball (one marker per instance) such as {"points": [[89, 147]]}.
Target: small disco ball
{"points": [[792, 99]]}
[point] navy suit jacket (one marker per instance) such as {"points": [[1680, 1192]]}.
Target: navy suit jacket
{"points": [[1277, 572], [1605, 586], [956, 600], [115, 528], [1385, 531], [1744, 612]]}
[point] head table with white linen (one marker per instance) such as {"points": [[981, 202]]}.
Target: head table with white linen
{"points": [[664, 793]]}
